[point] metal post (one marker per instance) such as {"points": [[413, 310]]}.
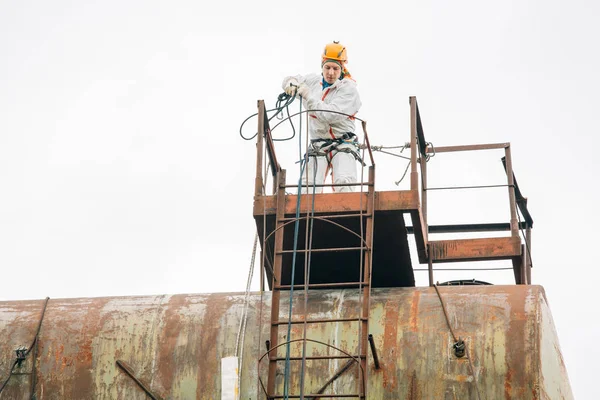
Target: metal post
{"points": [[262, 271], [424, 197], [430, 264], [528, 250], [523, 261], [258, 181], [525, 264], [414, 176], [514, 226], [517, 263]]}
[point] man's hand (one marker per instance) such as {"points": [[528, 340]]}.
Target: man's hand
{"points": [[291, 87], [303, 90]]}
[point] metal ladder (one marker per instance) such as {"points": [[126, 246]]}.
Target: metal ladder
{"points": [[277, 346]]}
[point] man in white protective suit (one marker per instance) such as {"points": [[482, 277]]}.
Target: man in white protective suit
{"points": [[334, 145]]}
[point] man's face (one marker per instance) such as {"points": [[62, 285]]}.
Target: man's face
{"points": [[331, 72]]}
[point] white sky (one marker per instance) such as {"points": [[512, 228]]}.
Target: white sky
{"points": [[122, 171]]}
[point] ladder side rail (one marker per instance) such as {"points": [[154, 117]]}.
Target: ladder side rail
{"points": [[258, 181], [276, 293], [366, 291]]}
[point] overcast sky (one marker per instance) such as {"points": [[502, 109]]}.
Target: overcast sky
{"points": [[122, 171]]}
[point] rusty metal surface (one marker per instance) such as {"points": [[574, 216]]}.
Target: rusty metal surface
{"points": [[335, 243], [469, 147], [475, 249], [175, 343], [395, 200]]}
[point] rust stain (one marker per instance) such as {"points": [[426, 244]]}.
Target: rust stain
{"points": [[208, 380], [58, 356], [413, 392], [414, 311], [517, 346], [167, 343], [82, 381], [390, 335], [507, 385]]}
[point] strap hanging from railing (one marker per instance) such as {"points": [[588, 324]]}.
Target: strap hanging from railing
{"points": [[420, 133], [520, 200]]}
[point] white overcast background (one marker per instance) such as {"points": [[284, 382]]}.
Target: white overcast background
{"points": [[122, 171]]}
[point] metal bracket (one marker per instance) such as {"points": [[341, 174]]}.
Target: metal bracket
{"points": [[459, 348], [21, 355], [129, 371], [374, 351]]}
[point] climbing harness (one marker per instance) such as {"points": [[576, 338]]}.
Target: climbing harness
{"points": [[325, 147]]}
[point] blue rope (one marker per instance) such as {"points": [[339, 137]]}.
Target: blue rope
{"points": [[286, 375], [307, 276]]}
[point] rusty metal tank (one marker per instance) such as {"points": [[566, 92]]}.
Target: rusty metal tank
{"points": [[174, 344]]}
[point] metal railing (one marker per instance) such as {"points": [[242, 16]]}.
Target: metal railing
{"points": [[420, 153], [266, 145]]}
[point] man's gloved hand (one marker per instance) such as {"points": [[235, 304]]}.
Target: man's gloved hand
{"points": [[303, 90], [291, 87]]}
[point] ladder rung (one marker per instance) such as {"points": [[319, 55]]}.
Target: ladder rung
{"points": [[340, 357], [314, 396], [319, 216], [321, 285], [319, 321], [324, 250]]}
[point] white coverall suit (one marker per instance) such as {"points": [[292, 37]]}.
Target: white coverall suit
{"points": [[343, 97]]}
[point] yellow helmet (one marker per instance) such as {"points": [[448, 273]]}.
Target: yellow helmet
{"points": [[335, 51]]}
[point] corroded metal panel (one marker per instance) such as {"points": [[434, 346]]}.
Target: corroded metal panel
{"points": [[396, 200], [475, 249], [175, 343]]}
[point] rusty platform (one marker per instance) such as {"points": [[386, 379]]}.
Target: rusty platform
{"points": [[391, 261], [337, 226]]}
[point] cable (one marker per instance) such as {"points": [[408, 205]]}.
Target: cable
{"points": [[391, 154], [264, 261], [283, 101], [246, 296], [403, 175], [239, 345], [21, 357], [307, 258], [457, 340], [466, 187], [293, 272], [315, 110], [286, 379], [9, 375]]}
